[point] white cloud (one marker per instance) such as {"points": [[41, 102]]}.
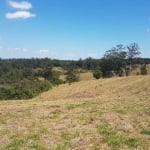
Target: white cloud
{"points": [[20, 15], [24, 50], [21, 49], [43, 51], [20, 5]]}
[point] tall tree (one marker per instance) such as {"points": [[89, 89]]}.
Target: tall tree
{"points": [[113, 60], [133, 52]]}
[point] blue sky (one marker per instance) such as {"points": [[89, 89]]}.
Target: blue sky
{"points": [[72, 29]]}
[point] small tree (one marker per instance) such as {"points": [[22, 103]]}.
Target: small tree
{"points": [[113, 61], [97, 74], [72, 76], [143, 70], [133, 52]]}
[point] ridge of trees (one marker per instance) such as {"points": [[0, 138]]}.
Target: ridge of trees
{"points": [[27, 78]]}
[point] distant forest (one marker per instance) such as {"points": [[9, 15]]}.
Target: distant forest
{"points": [[27, 78]]}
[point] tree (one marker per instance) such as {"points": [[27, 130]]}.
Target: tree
{"points": [[97, 74], [133, 52], [72, 76], [116, 52], [113, 61]]}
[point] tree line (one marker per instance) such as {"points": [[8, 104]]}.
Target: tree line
{"points": [[27, 78]]}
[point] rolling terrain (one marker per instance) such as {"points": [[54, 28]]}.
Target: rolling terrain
{"points": [[103, 114]]}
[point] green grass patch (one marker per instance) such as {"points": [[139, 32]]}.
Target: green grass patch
{"points": [[32, 137], [5, 132], [133, 142], [121, 111], [43, 131], [115, 139], [54, 116], [37, 147], [63, 146], [111, 136], [65, 135], [146, 131], [14, 145], [82, 105]]}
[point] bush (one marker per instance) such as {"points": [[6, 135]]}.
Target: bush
{"points": [[25, 90], [72, 76], [97, 74]]}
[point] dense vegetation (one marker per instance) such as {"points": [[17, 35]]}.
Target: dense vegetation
{"points": [[26, 78]]}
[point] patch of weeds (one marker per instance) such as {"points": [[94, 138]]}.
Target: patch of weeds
{"points": [[63, 146], [57, 111], [3, 120], [65, 135], [38, 147], [147, 111], [111, 136], [133, 142], [114, 140], [54, 116], [105, 129], [15, 135], [96, 147], [121, 111], [82, 105], [32, 137], [28, 114], [146, 131], [15, 144], [43, 131], [71, 106], [5, 132]]}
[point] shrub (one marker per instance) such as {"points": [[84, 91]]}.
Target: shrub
{"points": [[97, 74], [72, 76]]}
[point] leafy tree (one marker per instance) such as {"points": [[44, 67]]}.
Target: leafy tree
{"points": [[113, 61], [72, 76], [97, 74], [116, 53], [90, 63], [133, 52]]}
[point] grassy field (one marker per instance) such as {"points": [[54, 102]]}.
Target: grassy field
{"points": [[105, 114]]}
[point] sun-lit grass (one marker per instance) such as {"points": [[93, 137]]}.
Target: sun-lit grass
{"points": [[97, 114]]}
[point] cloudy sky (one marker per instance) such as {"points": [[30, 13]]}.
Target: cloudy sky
{"points": [[72, 29]]}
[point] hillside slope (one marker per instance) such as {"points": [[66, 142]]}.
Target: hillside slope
{"points": [[106, 114], [123, 87]]}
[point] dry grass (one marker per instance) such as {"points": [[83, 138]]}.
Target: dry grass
{"points": [[90, 115], [148, 68], [86, 76], [113, 88], [137, 69]]}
